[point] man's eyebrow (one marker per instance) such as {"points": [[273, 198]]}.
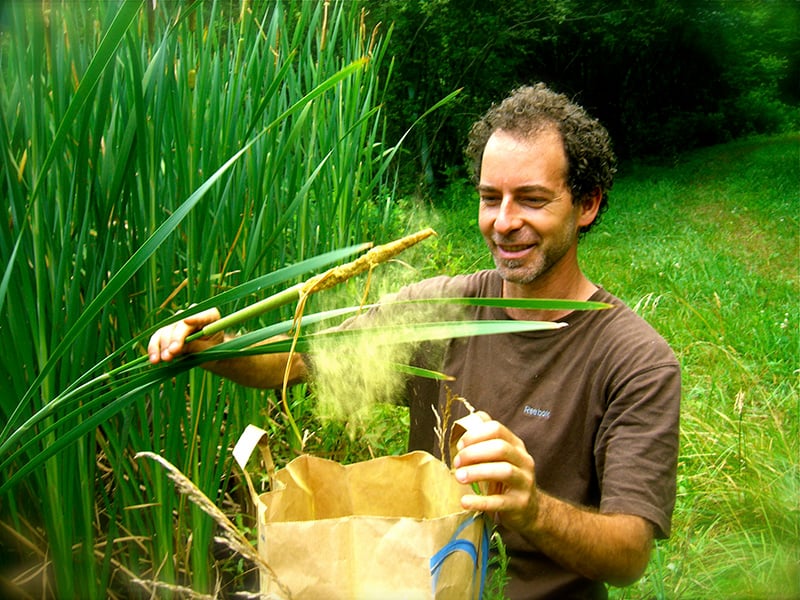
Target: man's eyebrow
{"points": [[525, 189]]}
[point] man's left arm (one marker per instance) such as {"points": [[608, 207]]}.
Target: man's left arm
{"points": [[614, 548]]}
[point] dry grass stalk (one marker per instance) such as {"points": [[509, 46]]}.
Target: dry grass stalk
{"points": [[231, 537], [443, 421]]}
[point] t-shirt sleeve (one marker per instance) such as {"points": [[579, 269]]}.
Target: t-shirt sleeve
{"points": [[637, 446]]}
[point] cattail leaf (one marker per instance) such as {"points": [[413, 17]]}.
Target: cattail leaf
{"points": [[386, 335], [420, 372], [121, 277], [102, 57], [523, 303]]}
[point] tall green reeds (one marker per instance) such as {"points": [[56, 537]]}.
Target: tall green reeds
{"points": [[152, 157]]}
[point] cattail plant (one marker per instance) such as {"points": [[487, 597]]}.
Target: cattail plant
{"points": [[154, 154]]}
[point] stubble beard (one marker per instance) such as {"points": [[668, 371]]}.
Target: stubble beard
{"points": [[517, 271], [527, 271]]}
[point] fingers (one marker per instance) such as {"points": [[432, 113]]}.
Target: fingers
{"points": [[490, 454], [170, 341], [506, 489], [486, 431], [505, 468], [498, 475], [489, 503], [484, 416]]}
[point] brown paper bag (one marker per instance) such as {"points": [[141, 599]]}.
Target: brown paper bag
{"points": [[392, 527]]}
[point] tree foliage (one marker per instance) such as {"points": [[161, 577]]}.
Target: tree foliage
{"points": [[663, 76]]}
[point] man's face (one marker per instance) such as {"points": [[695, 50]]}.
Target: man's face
{"points": [[526, 212]]}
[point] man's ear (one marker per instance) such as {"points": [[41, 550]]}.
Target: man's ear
{"points": [[590, 206]]}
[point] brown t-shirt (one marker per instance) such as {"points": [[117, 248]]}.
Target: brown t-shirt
{"points": [[596, 403]]}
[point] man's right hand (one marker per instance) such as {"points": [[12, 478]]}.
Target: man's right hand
{"points": [[170, 341]]}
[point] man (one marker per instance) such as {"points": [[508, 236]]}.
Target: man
{"points": [[580, 451]]}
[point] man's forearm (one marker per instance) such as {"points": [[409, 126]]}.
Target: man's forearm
{"points": [[265, 371], [605, 547]]}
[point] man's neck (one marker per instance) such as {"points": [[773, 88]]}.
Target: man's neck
{"points": [[576, 287]]}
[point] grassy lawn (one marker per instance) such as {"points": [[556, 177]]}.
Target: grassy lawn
{"points": [[707, 251]]}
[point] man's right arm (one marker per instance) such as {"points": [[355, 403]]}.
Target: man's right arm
{"points": [[259, 371]]}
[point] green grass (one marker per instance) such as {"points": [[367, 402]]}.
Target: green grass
{"points": [[710, 257], [708, 251]]}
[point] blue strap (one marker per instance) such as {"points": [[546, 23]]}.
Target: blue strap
{"points": [[459, 545]]}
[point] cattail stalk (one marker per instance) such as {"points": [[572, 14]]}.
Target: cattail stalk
{"points": [[318, 283]]}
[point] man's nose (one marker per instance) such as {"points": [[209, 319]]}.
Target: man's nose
{"points": [[508, 216]]}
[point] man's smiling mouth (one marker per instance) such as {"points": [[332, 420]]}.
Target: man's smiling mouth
{"points": [[513, 250]]}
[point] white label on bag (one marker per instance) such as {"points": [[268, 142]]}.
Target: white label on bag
{"points": [[243, 449]]}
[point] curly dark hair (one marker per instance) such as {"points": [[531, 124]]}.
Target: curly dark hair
{"points": [[591, 162]]}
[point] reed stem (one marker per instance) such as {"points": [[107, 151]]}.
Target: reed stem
{"points": [[326, 280]]}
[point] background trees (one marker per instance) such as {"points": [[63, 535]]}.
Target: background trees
{"points": [[663, 76]]}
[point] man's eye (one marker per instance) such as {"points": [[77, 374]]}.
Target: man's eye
{"points": [[534, 202], [490, 199]]}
